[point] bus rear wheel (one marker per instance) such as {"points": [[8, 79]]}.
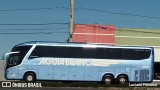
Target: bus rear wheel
{"points": [[108, 79], [122, 79], [29, 77]]}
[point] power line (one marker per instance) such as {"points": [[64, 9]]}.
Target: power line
{"points": [[117, 13], [38, 24], [130, 30], [20, 29], [32, 9], [83, 8], [32, 32]]}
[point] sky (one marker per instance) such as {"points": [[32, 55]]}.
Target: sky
{"points": [[48, 20]]}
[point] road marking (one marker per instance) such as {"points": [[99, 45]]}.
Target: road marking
{"points": [[137, 37], [156, 80]]}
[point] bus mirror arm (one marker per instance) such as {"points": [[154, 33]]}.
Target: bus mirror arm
{"points": [[3, 57], [6, 55]]}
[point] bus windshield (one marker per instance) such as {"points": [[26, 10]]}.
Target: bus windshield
{"points": [[16, 56]]}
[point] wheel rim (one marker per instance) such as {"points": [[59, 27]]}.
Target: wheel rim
{"points": [[29, 78], [108, 80], [122, 80]]}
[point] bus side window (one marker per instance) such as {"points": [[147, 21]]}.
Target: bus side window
{"points": [[41, 51], [61, 52]]}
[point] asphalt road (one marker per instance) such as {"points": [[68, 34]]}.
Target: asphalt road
{"points": [[81, 88]]}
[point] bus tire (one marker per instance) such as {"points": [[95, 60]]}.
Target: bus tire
{"points": [[122, 79], [108, 79], [30, 77]]}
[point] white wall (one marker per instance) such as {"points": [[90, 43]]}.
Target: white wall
{"points": [[157, 54]]}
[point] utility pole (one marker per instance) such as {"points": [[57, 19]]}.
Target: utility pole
{"points": [[71, 19]]}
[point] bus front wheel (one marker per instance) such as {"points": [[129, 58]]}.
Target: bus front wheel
{"points": [[29, 77]]}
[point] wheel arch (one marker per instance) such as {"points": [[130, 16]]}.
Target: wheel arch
{"points": [[29, 72], [107, 74]]}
